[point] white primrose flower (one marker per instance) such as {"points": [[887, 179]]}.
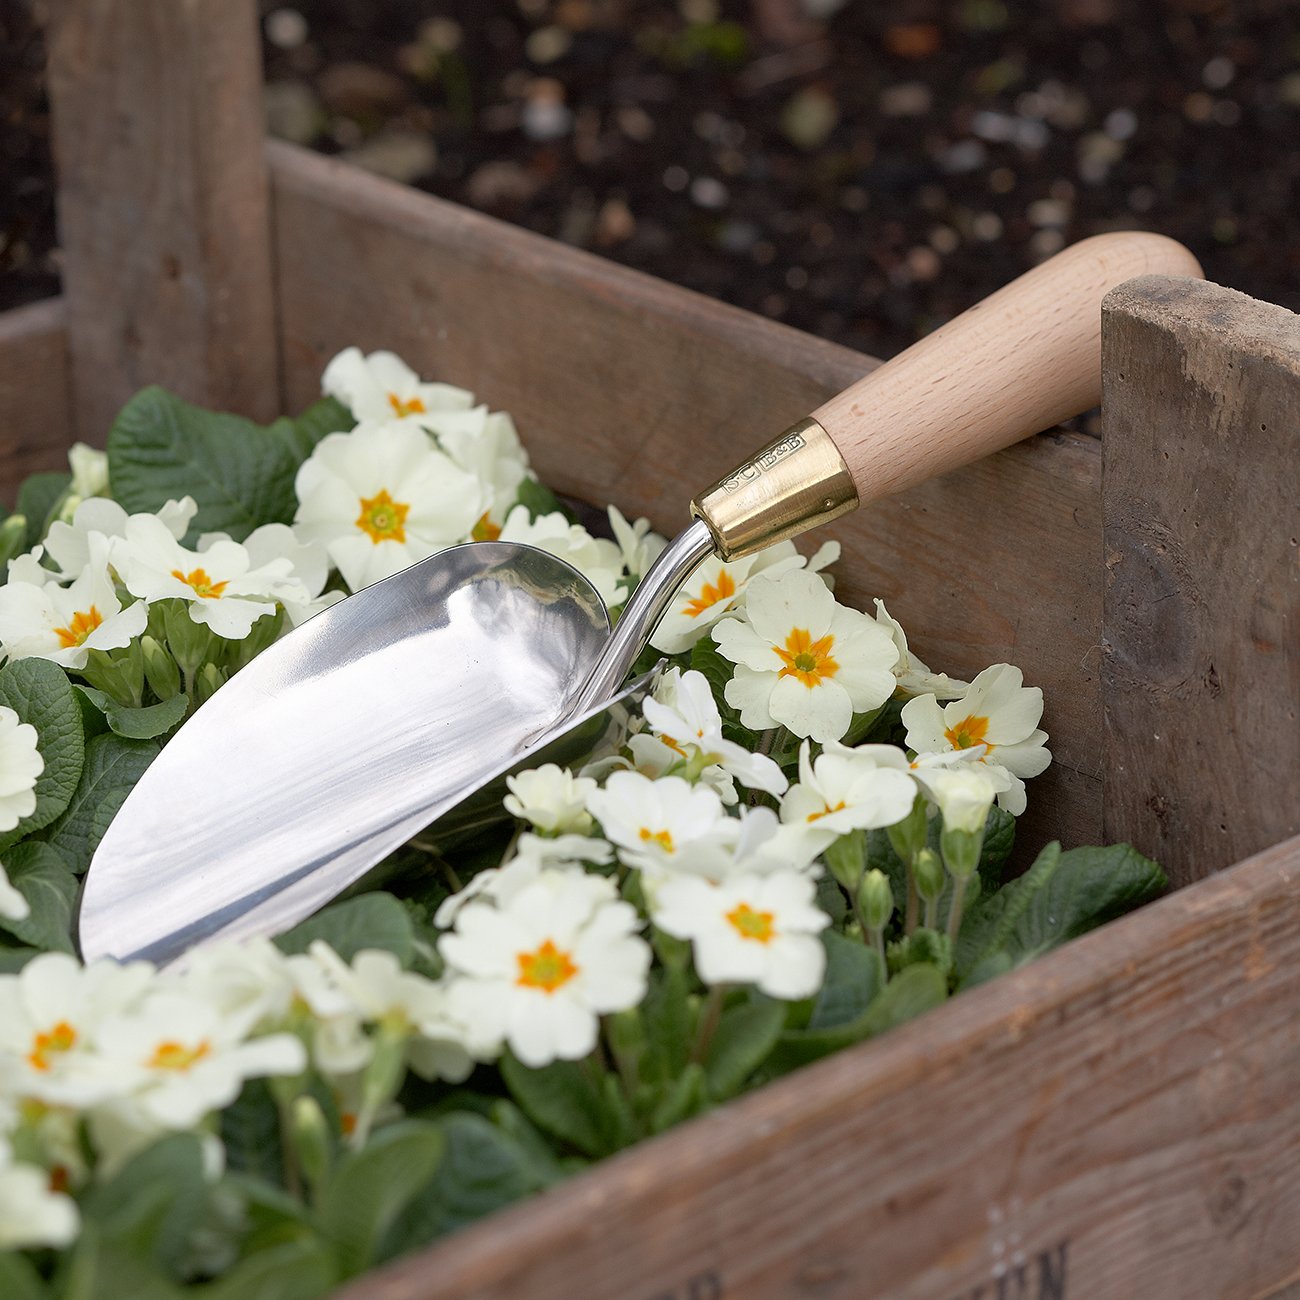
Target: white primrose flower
{"points": [[304, 595], [999, 713], [913, 677], [759, 930], [848, 789], [89, 471], [381, 387], [383, 993], [184, 1058], [64, 624], [684, 715], [381, 498], [598, 560], [804, 661], [20, 765], [652, 822], [220, 585], [54, 1009], [31, 1214], [69, 544], [486, 444], [654, 757], [639, 546], [536, 971], [962, 794], [13, 906], [716, 589], [550, 797]]}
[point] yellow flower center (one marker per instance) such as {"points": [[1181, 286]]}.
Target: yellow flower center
{"points": [[202, 585], [969, 731], [547, 969], [662, 838], [80, 626], [485, 530], [382, 518], [412, 406], [176, 1056], [808, 660], [751, 924], [61, 1038], [710, 595], [826, 812]]}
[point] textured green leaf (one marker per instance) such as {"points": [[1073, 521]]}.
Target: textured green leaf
{"points": [[39, 693], [742, 1041], [707, 659], [686, 1096], [239, 473], [42, 877], [482, 1170], [990, 924], [668, 1021], [375, 920], [562, 1099], [113, 766], [12, 960], [298, 1269], [146, 723], [100, 1268], [538, 499], [319, 420], [853, 978], [39, 497], [250, 1132], [370, 1188]]}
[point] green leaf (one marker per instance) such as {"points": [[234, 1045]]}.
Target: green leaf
{"points": [[1061, 896], [376, 920], [370, 1188], [853, 977], [113, 766], [300, 1269], [482, 1170], [562, 1099], [39, 693], [19, 1280], [138, 724], [152, 1205], [908, 994], [687, 1096], [239, 473], [999, 840], [318, 421], [100, 1269], [742, 1041], [538, 499], [42, 877], [668, 1021], [250, 1132], [12, 960], [707, 659], [39, 497]]}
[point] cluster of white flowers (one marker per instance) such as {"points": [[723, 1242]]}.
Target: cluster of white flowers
{"points": [[426, 468]]}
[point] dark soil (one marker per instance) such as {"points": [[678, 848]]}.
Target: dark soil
{"points": [[863, 176]]}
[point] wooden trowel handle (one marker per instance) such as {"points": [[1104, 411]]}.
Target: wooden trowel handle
{"points": [[1022, 360]]}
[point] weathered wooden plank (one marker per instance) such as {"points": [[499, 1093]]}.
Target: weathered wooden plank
{"points": [[633, 391], [1119, 1119], [1202, 604], [163, 216], [35, 412]]}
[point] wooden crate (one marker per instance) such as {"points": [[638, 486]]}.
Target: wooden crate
{"points": [[1120, 1119]]}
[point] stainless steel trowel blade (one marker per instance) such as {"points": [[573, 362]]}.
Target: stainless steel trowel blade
{"points": [[340, 742]]}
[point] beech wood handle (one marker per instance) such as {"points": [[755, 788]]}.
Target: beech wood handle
{"points": [[1022, 360]]}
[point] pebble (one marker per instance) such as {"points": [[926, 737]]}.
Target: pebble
{"points": [[796, 278], [545, 115], [293, 112], [944, 240], [676, 178], [499, 183], [986, 227], [286, 29], [963, 157], [923, 262], [1048, 212], [362, 90], [1218, 72], [547, 44], [709, 192], [635, 123], [399, 155], [1097, 154], [615, 223], [809, 117], [907, 99], [1120, 124]]}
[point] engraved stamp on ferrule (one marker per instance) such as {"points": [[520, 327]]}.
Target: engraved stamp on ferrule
{"points": [[764, 461]]}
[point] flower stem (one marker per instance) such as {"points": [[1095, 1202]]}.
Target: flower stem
{"points": [[289, 1156], [913, 901], [710, 1015], [954, 910]]}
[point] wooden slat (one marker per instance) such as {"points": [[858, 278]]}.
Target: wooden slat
{"points": [[163, 216], [35, 412], [1119, 1119], [1202, 666], [629, 390]]}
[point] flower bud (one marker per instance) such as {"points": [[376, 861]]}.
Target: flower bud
{"points": [[191, 643], [876, 899], [383, 1076], [929, 874], [847, 859], [160, 669], [210, 680], [309, 1134], [961, 852], [13, 538], [908, 836]]}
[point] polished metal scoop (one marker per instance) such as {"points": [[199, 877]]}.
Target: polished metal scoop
{"points": [[389, 710]]}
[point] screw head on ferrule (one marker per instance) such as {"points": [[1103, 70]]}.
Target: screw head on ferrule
{"points": [[796, 482]]}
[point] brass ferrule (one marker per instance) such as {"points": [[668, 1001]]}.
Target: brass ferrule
{"points": [[796, 482]]}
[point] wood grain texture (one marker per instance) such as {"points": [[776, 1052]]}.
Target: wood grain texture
{"points": [[35, 393], [629, 390], [1120, 1119], [1202, 601], [163, 216], [1025, 358]]}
